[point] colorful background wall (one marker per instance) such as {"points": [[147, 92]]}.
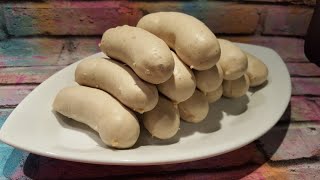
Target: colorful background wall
{"points": [[54, 18], [60, 32], [38, 38], [70, 25]]}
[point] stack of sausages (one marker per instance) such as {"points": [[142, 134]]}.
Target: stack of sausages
{"points": [[170, 66]]}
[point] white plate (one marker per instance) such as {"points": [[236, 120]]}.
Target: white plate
{"points": [[231, 124]]}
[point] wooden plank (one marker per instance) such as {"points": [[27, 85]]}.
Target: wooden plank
{"points": [[305, 108], [305, 86], [53, 168], [13, 166], [247, 172], [4, 113], [291, 142], [75, 49], [303, 69], [295, 169], [13, 95], [46, 51], [305, 170], [94, 17], [5, 150], [23, 75], [244, 173], [35, 167], [30, 52], [266, 171]]}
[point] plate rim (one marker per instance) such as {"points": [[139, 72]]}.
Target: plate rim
{"points": [[197, 156]]}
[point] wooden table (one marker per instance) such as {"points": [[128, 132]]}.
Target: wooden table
{"points": [[290, 150]]}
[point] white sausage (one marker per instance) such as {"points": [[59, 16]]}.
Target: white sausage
{"points": [[117, 126], [193, 41], [148, 56], [209, 80], [233, 61], [118, 80], [163, 121], [195, 109], [181, 84], [257, 71], [214, 95], [236, 88]]}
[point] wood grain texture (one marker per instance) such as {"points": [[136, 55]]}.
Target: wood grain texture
{"points": [[305, 108], [46, 51], [30, 52], [4, 113], [75, 49], [40, 167], [295, 143], [295, 169], [305, 86], [252, 172], [13, 95], [5, 150], [244, 173], [24, 75], [303, 170], [93, 18], [303, 69]]}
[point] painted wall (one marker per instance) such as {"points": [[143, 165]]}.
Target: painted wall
{"points": [[282, 17], [38, 38]]}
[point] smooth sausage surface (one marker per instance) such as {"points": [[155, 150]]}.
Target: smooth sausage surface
{"points": [[195, 109], [163, 121], [181, 84], [236, 88], [257, 71], [148, 56], [117, 126], [209, 80], [233, 60], [118, 80], [191, 39]]}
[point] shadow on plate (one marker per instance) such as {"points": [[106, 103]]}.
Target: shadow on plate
{"points": [[209, 125], [247, 159], [235, 106], [68, 123], [256, 89]]}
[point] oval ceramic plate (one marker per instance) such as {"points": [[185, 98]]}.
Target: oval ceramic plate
{"points": [[231, 124]]}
